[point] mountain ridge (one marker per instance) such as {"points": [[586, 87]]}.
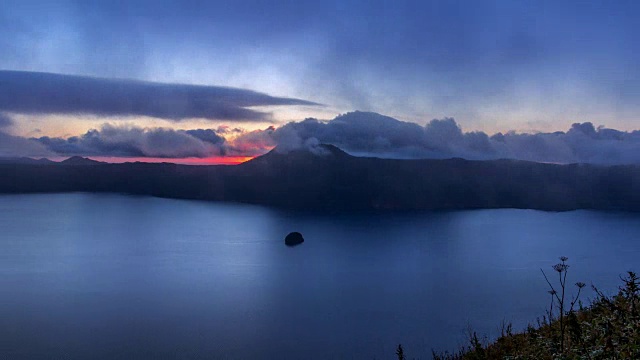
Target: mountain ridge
{"points": [[25, 160], [326, 178], [79, 160]]}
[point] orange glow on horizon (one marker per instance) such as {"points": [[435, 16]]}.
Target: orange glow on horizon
{"points": [[216, 160]]}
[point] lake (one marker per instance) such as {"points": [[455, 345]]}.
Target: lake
{"points": [[90, 276]]}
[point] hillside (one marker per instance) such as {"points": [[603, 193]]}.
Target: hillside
{"points": [[607, 328], [329, 179]]}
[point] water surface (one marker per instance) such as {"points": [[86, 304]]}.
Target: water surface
{"points": [[86, 276]]}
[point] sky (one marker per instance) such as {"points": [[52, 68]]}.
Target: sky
{"points": [[226, 79]]}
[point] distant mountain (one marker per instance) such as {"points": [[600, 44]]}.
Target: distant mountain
{"points": [[277, 158], [74, 160], [25, 160], [326, 178], [78, 160]]}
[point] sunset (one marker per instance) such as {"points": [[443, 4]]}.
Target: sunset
{"points": [[300, 180], [72, 68]]}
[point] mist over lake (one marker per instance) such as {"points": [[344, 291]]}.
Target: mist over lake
{"points": [[87, 276]]}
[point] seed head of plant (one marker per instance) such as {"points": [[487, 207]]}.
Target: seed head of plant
{"points": [[560, 267]]}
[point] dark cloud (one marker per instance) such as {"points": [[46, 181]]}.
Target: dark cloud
{"points": [[370, 134], [352, 50], [206, 135], [126, 141], [16, 146], [45, 93], [408, 57]]}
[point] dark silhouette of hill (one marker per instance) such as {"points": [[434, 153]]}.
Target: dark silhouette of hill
{"points": [[74, 160], [25, 160], [326, 178], [79, 160]]}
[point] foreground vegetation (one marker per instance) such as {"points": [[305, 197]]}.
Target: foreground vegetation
{"points": [[608, 328]]}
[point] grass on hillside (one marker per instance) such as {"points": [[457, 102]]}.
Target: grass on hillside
{"points": [[608, 328]]}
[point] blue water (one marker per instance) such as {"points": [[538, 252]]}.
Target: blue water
{"points": [[86, 276]]}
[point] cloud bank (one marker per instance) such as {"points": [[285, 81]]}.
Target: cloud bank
{"points": [[371, 134], [132, 141], [45, 93], [359, 133], [16, 146]]}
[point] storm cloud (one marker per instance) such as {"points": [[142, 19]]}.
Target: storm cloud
{"points": [[371, 134], [46, 93], [131, 141]]}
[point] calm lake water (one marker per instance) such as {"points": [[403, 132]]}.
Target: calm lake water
{"points": [[86, 276]]}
